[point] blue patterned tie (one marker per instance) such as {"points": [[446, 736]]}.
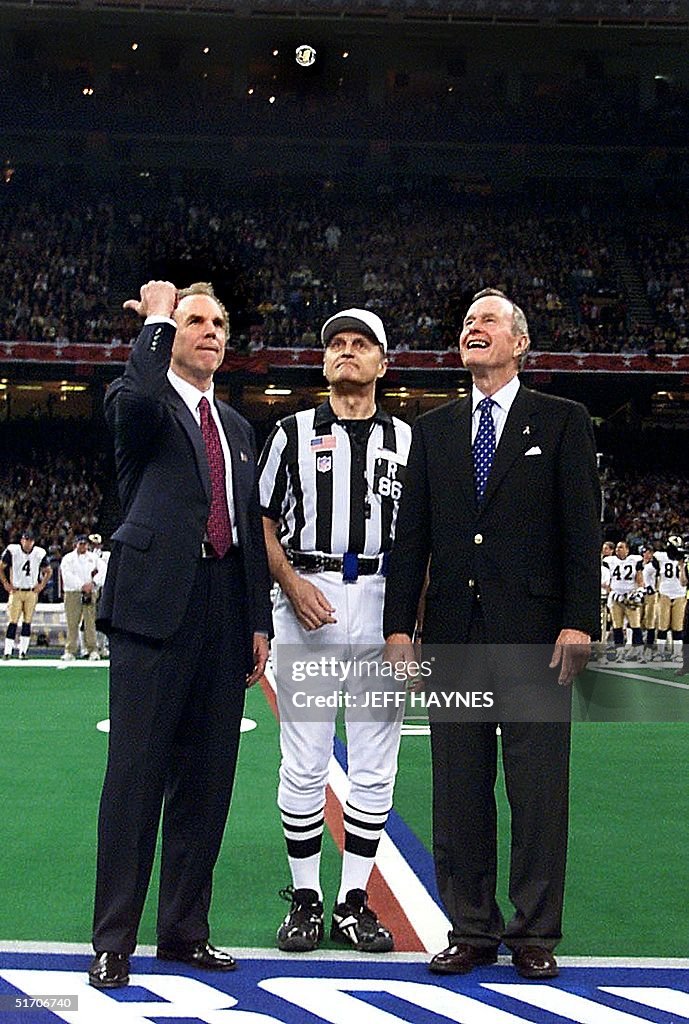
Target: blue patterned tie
{"points": [[484, 447]]}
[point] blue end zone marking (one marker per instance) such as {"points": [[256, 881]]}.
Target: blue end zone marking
{"points": [[280, 988], [419, 859]]}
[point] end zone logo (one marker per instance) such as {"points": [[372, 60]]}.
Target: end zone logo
{"points": [[310, 991]]}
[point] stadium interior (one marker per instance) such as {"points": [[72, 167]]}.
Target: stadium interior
{"points": [[416, 152]]}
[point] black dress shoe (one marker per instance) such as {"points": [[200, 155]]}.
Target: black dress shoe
{"points": [[462, 957], [535, 962], [109, 970], [200, 954]]}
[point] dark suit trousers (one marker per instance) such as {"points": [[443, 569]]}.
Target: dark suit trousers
{"points": [[175, 714], [536, 766]]}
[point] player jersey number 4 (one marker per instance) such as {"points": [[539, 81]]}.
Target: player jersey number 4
{"points": [[25, 568]]}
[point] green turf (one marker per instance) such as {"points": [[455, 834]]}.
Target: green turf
{"points": [[51, 760], [653, 695], [628, 839], [51, 766], [629, 832]]}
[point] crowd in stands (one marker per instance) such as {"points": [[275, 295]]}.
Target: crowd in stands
{"points": [[57, 498], [282, 264], [420, 267], [645, 507], [58, 495], [53, 487], [55, 267], [275, 264], [664, 258]]}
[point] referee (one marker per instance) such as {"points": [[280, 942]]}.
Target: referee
{"points": [[330, 483]]}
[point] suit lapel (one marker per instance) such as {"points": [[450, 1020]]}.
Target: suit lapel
{"points": [[193, 432], [239, 457], [461, 449], [517, 436]]}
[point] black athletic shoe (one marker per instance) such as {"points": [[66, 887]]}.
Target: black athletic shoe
{"points": [[302, 929], [355, 924]]}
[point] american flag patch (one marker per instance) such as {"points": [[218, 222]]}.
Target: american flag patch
{"points": [[323, 442]]}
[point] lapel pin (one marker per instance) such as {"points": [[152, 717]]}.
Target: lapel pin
{"points": [[243, 457], [526, 430]]}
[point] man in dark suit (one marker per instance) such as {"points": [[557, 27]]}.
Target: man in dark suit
{"points": [[502, 497], [187, 608]]}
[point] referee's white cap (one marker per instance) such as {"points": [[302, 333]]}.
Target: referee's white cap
{"points": [[355, 320]]}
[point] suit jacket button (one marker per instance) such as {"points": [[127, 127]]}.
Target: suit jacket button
{"points": [[471, 584], [478, 539]]}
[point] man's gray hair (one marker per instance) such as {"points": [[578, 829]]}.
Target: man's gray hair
{"points": [[519, 321], [206, 288]]}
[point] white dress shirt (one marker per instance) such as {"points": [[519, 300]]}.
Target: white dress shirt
{"points": [[503, 399]]}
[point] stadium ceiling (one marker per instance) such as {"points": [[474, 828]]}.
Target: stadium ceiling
{"points": [[671, 14]]}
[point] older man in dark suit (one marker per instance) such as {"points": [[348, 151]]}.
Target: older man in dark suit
{"points": [[186, 604], [502, 499]]}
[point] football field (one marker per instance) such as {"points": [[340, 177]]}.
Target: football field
{"points": [[626, 891]]}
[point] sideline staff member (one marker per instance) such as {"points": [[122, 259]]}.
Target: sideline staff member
{"points": [[505, 478], [187, 607], [330, 484]]}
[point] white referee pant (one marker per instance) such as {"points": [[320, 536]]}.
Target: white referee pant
{"points": [[306, 735]]}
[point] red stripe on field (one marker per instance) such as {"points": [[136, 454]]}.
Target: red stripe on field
{"points": [[406, 939], [269, 695]]}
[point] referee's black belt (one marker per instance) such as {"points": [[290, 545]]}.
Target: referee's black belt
{"points": [[310, 562]]}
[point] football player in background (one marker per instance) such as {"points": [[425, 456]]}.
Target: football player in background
{"points": [[650, 567], [672, 599], [606, 554], [24, 573], [626, 580], [684, 669]]}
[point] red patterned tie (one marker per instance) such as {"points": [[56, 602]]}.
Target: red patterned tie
{"points": [[218, 530]]}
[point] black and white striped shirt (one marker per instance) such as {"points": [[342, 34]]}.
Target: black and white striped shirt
{"points": [[334, 485]]}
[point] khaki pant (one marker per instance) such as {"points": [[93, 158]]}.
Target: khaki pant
{"points": [[619, 612], [21, 603], [650, 611], [671, 612], [75, 611]]}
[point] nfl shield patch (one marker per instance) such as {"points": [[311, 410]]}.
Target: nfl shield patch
{"points": [[324, 463]]}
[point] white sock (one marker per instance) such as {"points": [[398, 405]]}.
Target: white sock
{"points": [[306, 872], [9, 645], [24, 643], [356, 871]]}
